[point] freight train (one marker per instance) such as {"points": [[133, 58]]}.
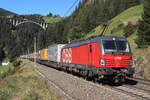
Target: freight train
{"points": [[100, 58]]}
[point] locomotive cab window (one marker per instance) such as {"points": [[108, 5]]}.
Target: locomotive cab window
{"points": [[115, 47]]}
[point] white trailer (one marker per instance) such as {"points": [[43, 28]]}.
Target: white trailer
{"points": [[54, 52]]}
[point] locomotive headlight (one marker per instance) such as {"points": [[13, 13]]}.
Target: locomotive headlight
{"points": [[102, 62]]}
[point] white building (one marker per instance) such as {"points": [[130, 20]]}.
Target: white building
{"points": [[5, 63]]}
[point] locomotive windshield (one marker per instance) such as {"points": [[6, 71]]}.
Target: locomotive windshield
{"points": [[115, 47]]}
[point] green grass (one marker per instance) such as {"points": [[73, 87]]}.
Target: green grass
{"points": [[3, 68], [25, 84], [52, 20], [132, 14]]}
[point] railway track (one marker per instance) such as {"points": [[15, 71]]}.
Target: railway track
{"points": [[60, 91], [142, 81], [68, 97], [135, 87], [140, 90], [132, 91]]}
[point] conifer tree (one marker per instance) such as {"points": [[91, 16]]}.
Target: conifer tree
{"points": [[144, 27]]}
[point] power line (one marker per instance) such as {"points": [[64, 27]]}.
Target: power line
{"points": [[71, 7]]}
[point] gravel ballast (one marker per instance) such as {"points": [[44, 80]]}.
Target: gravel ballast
{"points": [[78, 88]]}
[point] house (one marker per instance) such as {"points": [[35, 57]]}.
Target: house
{"points": [[5, 63]]}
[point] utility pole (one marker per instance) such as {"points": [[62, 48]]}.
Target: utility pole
{"points": [[28, 51], [34, 51], [105, 25], [69, 41]]}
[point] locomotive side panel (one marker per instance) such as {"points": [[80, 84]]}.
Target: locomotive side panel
{"points": [[95, 54], [87, 54], [75, 55], [80, 55]]}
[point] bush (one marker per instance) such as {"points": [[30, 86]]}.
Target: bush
{"points": [[119, 27], [113, 30], [4, 95], [17, 63], [141, 43], [129, 29], [10, 70]]}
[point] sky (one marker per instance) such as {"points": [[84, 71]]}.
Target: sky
{"points": [[42, 7]]}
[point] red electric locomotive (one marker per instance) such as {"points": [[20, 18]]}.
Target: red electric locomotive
{"points": [[105, 57]]}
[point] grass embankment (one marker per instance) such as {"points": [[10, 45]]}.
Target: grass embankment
{"points": [[25, 84], [3, 68], [132, 14], [116, 26], [52, 19], [6, 71], [3, 71]]}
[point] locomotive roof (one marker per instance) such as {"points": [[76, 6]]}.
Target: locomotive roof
{"points": [[94, 39]]}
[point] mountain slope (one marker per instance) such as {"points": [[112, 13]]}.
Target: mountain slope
{"points": [[4, 12], [52, 19], [117, 24], [140, 56], [132, 14]]}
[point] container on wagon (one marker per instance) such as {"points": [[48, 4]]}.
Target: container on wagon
{"points": [[44, 54], [30, 56], [37, 55], [54, 52], [33, 55]]}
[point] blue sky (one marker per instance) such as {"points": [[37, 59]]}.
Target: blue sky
{"points": [[39, 6]]}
